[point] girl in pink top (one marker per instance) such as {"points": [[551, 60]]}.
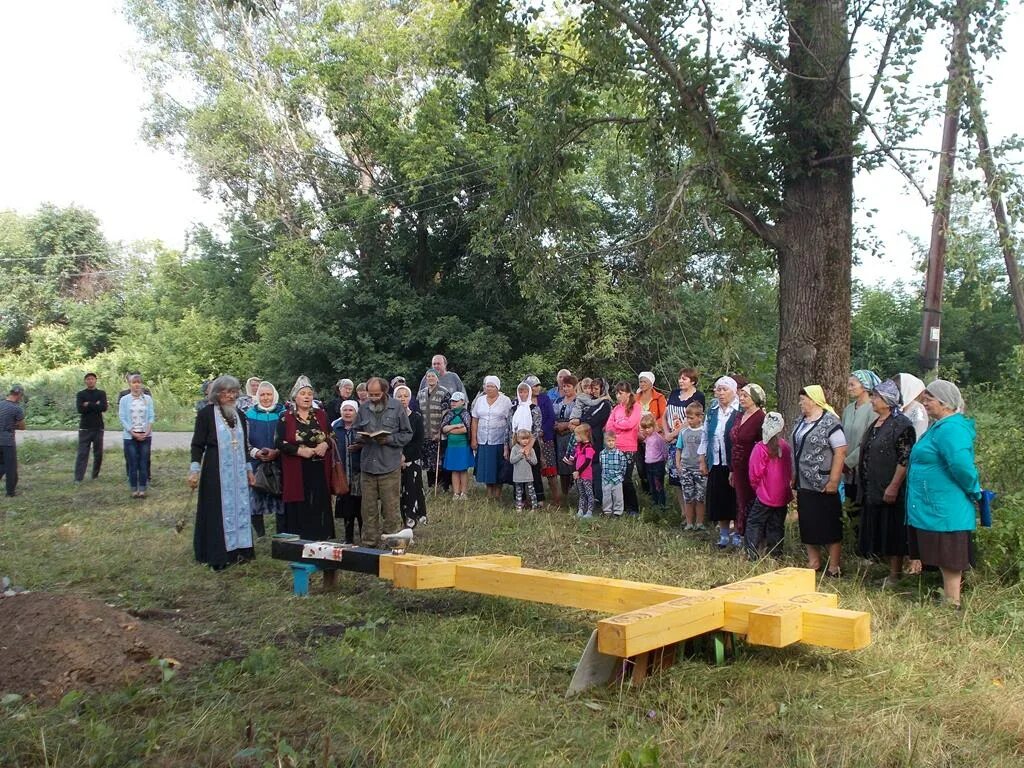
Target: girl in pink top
{"points": [[624, 421], [584, 474], [770, 471]]}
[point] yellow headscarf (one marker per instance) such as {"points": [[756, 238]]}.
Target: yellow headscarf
{"points": [[817, 394]]}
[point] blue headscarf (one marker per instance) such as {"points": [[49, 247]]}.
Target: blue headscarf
{"points": [[868, 378]]}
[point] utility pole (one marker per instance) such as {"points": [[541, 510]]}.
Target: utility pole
{"points": [[931, 327]]}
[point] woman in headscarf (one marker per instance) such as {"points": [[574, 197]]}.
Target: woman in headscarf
{"points": [[858, 415], [247, 398], [434, 401], [943, 488], [745, 434], [566, 409], [526, 415], [348, 507], [489, 417], [302, 438], [883, 456], [651, 401], [715, 454], [548, 461], [342, 392], [911, 389], [262, 418], [220, 470], [413, 502], [675, 422], [596, 415], [819, 448]]}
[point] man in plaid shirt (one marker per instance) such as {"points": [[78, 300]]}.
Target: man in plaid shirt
{"points": [[613, 472]]}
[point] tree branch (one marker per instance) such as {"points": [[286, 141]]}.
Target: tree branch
{"points": [[697, 109]]}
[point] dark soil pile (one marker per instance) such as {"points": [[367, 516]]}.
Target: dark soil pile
{"points": [[51, 644]]}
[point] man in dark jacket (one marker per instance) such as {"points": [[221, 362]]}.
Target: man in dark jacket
{"points": [[12, 418], [91, 404]]}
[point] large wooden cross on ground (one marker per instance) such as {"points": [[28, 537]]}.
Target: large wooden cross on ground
{"points": [[775, 609]]}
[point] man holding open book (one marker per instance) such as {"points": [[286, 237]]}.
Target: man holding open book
{"points": [[382, 424]]}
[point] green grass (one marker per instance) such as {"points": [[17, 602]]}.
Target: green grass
{"points": [[452, 679]]}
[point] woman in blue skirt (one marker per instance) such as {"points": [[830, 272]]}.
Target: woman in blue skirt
{"points": [[490, 415]]}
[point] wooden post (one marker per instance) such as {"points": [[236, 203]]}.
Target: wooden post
{"points": [[931, 326]]}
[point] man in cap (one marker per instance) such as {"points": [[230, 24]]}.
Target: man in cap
{"points": [[12, 417]]}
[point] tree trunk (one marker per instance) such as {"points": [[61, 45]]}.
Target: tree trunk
{"points": [[814, 235]]}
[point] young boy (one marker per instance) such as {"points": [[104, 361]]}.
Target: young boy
{"points": [[522, 469], [655, 453], [613, 472], [692, 482]]}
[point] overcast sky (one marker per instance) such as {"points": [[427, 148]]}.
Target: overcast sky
{"points": [[73, 111]]}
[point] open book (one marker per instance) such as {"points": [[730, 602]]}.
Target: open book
{"points": [[375, 435]]}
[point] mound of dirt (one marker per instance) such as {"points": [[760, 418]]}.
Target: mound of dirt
{"points": [[51, 644]]}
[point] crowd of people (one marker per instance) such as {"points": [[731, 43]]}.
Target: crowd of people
{"points": [[901, 455]]}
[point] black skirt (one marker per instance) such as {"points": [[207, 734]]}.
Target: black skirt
{"points": [[721, 497], [311, 518], [951, 550], [821, 517], [883, 530]]}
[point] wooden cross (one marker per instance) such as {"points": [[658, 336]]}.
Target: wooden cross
{"points": [[647, 622], [776, 609]]}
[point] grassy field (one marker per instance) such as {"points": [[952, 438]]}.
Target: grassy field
{"points": [[378, 676]]}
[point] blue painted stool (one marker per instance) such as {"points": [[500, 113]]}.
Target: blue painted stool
{"points": [[300, 577]]}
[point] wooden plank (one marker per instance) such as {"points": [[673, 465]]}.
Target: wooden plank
{"points": [[439, 573], [836, 628], [782, 624], [591, 593], [386, 568], [737, 609], [781, 584], [357, 559], [657, 626], [776, 625]]}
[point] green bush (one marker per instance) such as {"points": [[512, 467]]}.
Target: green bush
{"points": [[998, 414]]}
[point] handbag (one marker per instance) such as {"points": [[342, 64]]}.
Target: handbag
{"points": [[268, 478], [339, 479]]}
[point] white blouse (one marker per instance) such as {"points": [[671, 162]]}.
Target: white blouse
{"points": [[491, 419]]}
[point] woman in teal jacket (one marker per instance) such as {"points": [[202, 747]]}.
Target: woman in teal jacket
{"points": [[943, 487]]}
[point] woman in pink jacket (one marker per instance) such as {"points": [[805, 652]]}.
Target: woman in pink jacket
{"points": [[625, 423], [770, 471]]}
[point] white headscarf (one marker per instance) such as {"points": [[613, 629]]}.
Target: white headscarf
{"points": [[492, 380], [350, 403], [910, 388], [647, 375], [256, 400], [522, 418], [727, 381]]}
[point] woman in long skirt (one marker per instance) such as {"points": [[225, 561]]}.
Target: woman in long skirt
{"points": [[262, 418], [414, 503]]}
